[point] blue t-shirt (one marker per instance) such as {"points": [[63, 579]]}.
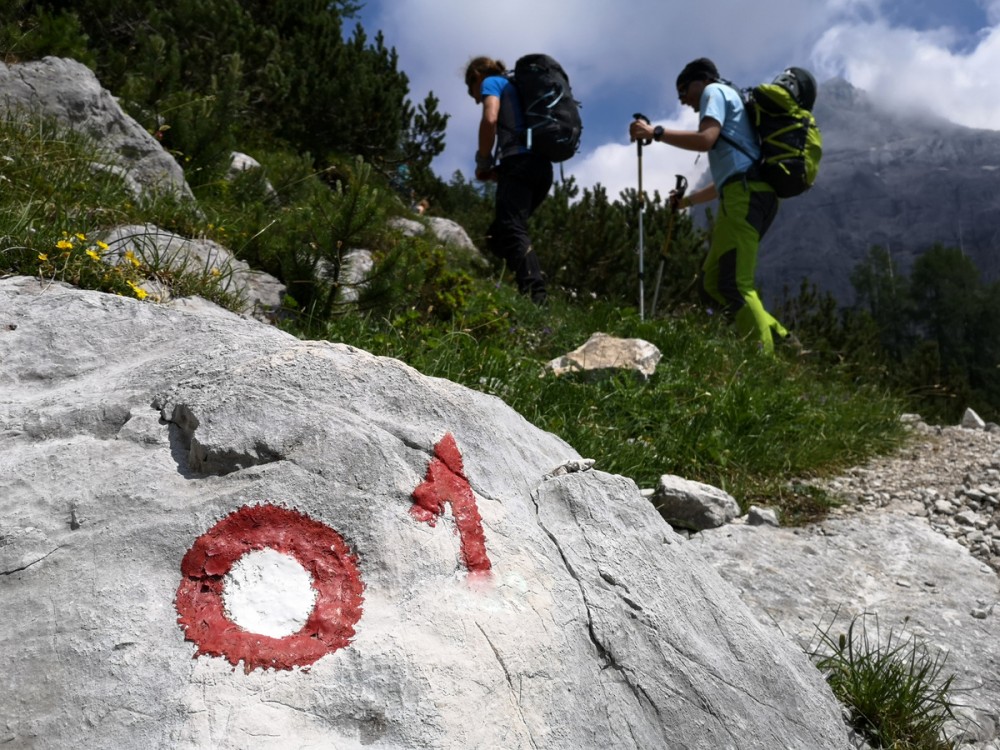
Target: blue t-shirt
{"points": [[723, 104], [510, 122]]}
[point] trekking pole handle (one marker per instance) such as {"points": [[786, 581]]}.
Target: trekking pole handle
{"points": [[679, 189], [642, 141]]}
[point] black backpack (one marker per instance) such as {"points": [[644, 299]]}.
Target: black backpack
{"points": [[790, 142], [551, 114]]}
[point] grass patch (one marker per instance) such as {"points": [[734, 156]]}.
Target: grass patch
{"points": [[716, 411], [895, 690]]}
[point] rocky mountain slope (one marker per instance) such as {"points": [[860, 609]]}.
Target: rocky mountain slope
{"points": [[902, 180]]}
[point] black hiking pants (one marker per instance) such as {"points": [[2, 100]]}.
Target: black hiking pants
{"points": [[523, 181]]}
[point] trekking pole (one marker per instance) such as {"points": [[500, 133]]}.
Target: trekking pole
{"points": [[679, 190], [642, 209]]}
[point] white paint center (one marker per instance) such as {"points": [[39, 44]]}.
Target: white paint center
{"points": [[269, 593]]}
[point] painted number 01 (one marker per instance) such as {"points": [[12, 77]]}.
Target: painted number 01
{"points": [[319, 550]]}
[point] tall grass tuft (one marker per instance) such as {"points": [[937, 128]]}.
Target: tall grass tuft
{"points": [[895, 691]]}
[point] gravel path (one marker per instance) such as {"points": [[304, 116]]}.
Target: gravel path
{"points": [[951, 475]]}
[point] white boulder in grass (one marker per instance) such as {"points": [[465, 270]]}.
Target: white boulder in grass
{"points": [[69, 92], [694, 505], [602, 354], [972, 421]]}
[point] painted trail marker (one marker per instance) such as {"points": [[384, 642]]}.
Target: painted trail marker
{"points": [[270, 587], [268, 592], [275, 589], [446, 483]]}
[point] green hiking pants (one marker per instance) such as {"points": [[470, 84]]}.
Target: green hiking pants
{"points": [[746, 210]]}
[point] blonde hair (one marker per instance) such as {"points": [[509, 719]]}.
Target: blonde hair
{"points": [[484, 66]]}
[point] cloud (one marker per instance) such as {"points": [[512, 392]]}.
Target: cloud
{"points": [[922, 71]]}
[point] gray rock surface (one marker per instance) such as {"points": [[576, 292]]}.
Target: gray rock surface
{"points": [[972, 421], [687, 504], [69, 92], [407, 227], [898, 551], [240, 162], [261, 292], [950, 475], [452, 233], [445, 231], [132, 433], [356, 266]]}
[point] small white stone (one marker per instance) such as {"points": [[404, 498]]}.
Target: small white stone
{"points": [[972, 421]]}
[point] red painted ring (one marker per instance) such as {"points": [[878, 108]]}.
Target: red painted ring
{"points": [[317, 547]]}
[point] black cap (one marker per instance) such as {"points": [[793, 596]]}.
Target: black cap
{"points": [[701, 69], [800, 83]]}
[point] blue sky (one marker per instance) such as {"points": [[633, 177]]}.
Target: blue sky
{"points": [[936, 56]]}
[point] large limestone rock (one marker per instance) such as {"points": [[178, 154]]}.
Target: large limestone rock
{"points": [[69, 92], [447, 232], [213, 534], [693, 505], [452, 233], [260, 292], [886, 564]]}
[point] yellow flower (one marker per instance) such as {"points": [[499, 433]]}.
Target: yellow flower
{"points": [[64, 245], [216, 272], [102, 245], [130, 257], [138, 291], [93, 254], [43, 257], [81, 237]]}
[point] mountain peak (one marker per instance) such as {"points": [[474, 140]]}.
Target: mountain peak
{"points": [[839, 94]]}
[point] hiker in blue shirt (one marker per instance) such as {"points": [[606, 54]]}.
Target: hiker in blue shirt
{"points": [[747, 206], [523, 178]]}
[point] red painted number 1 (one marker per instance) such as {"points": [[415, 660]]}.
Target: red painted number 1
{"points": [[446, 483]]}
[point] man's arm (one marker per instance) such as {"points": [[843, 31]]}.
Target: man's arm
{"points": [[703, 140]]}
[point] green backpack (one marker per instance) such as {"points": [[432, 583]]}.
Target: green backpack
{"points": [[791, 145]]}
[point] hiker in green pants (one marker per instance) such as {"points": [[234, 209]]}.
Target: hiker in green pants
{"points": [[746, 210], [747, 206]]}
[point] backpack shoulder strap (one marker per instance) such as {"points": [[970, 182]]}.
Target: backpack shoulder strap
{"points": [[736, 145]]}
